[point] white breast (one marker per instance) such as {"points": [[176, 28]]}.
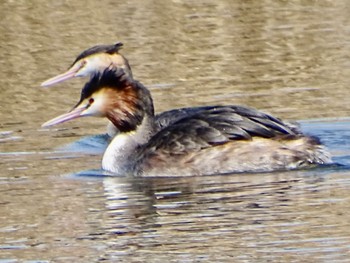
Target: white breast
{"points": [[116, 158]]}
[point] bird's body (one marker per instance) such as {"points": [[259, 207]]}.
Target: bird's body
{"points": [[205, 140]]}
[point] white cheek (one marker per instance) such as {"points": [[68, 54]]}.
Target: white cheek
{"points": [[96, 64], [96, 109], [87, 70]]}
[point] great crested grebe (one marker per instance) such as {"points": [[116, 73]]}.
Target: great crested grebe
{"points": [[93, 60], [98, 58], [217, 139]]}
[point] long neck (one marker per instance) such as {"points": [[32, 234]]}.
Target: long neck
{"points": [[134, 118], [118, 157]]}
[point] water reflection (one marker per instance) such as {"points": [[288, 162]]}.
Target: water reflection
{"points": [[237, 215], [259, 216]]}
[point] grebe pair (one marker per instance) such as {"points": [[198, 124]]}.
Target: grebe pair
{"points": [[98, 58], [197, 141]]}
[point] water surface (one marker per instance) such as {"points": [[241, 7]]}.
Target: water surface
{"points": [[288, 58]]}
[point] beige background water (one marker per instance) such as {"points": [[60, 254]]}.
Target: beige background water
{"points": [[289, 58]]}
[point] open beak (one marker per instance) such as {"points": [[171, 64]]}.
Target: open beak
{"points": [[62, 77], [73, 114]]}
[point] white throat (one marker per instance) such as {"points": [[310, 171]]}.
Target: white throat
{"points": [[118, 157]]}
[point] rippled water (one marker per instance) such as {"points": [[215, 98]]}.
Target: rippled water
{"points": [[289, 58]]}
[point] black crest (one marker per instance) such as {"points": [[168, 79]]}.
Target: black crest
{"points": [[110, 77], [109, 49]]}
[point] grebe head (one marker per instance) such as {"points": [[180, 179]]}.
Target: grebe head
{"points": [[114, 95], [91, 61]]}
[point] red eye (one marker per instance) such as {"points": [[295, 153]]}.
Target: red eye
{"points": [[91, 100]]}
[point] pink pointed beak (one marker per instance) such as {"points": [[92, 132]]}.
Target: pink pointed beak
{"points": [[75, 113], [71, 73]]}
